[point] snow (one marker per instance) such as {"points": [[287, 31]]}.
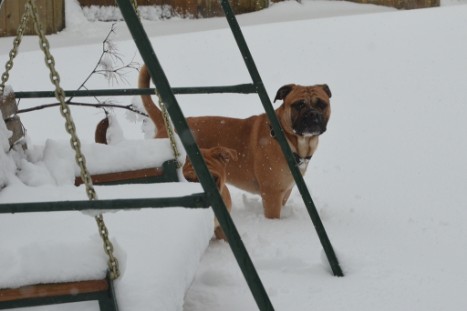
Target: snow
{"points": [[111, 13], [66, 247], [388, 177]]}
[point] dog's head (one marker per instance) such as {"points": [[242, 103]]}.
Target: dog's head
{"points": [[306, 108], [216, 159]]}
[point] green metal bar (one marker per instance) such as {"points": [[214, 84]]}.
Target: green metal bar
{"points": [[158, 76], [43, 301], [197, 200], [108, 302], [325, 242], [241, 89]]}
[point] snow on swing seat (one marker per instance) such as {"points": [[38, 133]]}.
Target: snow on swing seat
{"points": [[158, 249], [126, 155]]}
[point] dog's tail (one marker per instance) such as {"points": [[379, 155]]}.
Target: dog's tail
{"points": [[153, 111]]}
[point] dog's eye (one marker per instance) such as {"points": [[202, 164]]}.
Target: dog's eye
{"points": [[299, 105], [321, 104]]}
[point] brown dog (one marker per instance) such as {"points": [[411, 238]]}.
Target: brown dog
{"points": [[261, 167], [216, 159]]}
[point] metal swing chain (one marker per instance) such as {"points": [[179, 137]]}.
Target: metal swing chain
{"points": [[13, 51], [170, 130], [75, 142], [135, 6]]}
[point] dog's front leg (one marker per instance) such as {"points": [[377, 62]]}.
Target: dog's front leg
{"points": [[273, 201]]}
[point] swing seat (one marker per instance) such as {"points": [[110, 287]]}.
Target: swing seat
{"points": [[166, 173], [127, 162], [58, 293]]}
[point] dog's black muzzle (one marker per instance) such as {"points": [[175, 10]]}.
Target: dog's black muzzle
{"points": [[310, 122]]}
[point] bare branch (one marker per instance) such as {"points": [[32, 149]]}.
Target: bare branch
{"points": [[103, 105], [110, 65]]}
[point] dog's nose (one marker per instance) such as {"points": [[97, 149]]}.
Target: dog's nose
{"points": [[314, 117]]}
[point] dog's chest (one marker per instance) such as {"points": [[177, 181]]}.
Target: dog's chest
{"points": [[305, 148]]}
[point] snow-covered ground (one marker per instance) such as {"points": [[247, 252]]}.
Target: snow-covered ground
{"points": [[388, 177]]}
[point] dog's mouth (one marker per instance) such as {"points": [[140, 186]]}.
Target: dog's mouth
{"points": [[308, 134], [308, 127]]}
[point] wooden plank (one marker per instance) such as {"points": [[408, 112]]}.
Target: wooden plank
{"points": [[123, 176], [112, 2], [402, 4], [14, 11], [99, 2], [195, 8], [30, 30], [51, 15], [2, 20], [59, 13], [47, 16], [53, 290], [42, 11]]}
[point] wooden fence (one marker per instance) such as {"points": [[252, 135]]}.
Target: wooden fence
{"points": [[209, 8], [402, 4], [193, 8], [51, 14]]}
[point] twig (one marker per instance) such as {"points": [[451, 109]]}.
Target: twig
{"points": [[118, 73], [98, 105], [112, 31], [106, 67]]}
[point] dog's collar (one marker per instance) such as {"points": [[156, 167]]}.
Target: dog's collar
{"points": [[298, 160], [271, 132]]}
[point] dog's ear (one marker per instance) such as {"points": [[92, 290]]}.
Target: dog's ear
{"points": [[284, 91], [326, 88], [225, 154], [233, 155], [189, 172]]}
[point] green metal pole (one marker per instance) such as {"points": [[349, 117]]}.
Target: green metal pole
{"points": [[155, 69], [198, 200], [241, 88], [325, 242]]}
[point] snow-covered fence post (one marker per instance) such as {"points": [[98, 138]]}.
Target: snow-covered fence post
{"points": [[9, 108], [8, 103]]}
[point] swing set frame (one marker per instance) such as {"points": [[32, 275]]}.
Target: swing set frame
{"points": [[210, 196]]}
